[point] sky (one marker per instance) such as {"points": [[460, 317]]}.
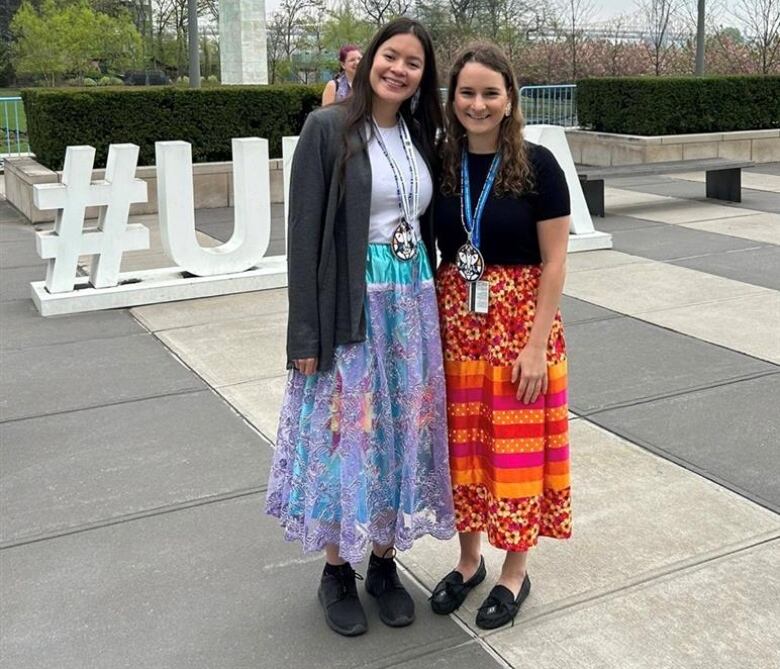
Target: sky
{"points": [[603, 9]]}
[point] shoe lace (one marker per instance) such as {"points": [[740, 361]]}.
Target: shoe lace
{"points": [[347, 583], [450, 585], [388, 571], [494, 603]]}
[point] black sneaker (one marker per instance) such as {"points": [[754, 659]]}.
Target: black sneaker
{"points": [[501, 606], [452, 591], [338, 596], [396, 607]]}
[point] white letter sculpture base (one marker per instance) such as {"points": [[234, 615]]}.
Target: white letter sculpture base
{"points": [[234, 267], [582, 235]]}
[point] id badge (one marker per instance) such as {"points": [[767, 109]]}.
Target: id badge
{"points": [[478, 296]]}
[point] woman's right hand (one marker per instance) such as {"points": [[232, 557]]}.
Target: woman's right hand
{"points": [[307, 366]]}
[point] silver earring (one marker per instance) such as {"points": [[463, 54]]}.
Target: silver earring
{"points": [[508, 110], [415, 101]]}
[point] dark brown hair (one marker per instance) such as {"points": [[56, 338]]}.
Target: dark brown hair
{"points": [[515, 175]]}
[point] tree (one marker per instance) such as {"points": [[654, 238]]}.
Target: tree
{"points": [[290, 33], [7, 10], [116, 42], [168, 31], [576, 13], [659, 16], [313, 56], [464, 13], [344, 26], [699, 19], [37, 50], [761, 19], [73, 39], [382, 11], [614, 47], [732, 34], [728, 53], [292, 19]]}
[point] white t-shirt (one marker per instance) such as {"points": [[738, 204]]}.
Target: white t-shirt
{"points": [[385, 212]]}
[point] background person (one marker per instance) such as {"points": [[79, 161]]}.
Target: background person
{"points": [[361, 456], [505, 355], [340, 87]]}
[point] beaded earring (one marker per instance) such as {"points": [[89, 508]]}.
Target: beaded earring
{"points": [[415, 101]]}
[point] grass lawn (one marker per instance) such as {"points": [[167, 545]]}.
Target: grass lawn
{"points": [[10, 113]]}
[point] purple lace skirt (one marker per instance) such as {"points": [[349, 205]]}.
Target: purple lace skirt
{"points": [[361, 452]]}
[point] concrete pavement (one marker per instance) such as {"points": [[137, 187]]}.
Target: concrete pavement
{"points": [[135, 447]]}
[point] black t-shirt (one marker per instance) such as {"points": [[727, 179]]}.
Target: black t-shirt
{"points": [[508, 234]]}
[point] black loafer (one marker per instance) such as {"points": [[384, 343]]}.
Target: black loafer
{"points": [[338, 596], [501, 606], [396, 606], [451, 591]]}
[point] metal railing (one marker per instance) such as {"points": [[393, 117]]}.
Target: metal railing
{"points": [[553, 105], [13, 128]]}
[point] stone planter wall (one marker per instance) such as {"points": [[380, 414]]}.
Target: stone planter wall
{"points": [[606, 149], [213, 183]]}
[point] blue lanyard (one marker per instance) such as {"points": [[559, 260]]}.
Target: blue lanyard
{"points": [[472, 221]]}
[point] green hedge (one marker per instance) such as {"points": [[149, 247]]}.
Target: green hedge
{"points": [[208, 118], [677, 105]]}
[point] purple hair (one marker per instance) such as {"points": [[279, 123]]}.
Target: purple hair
{"points": [[344, 51]]}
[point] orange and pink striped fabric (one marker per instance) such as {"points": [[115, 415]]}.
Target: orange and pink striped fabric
{"points": [[509, 461], [512, 449]]}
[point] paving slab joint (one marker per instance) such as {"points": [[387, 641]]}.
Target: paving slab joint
{"points": [[131, 517], [761, 291], [645, 445], [474, 637], [686, 391], [209, 385], [668, 572], [129, 400], [404, 656]]}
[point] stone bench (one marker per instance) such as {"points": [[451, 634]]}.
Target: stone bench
{"points": [[724, 177]]}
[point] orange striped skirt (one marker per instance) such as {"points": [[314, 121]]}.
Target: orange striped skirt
{"points": [[509, 460]]}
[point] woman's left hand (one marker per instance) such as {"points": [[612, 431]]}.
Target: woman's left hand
{"points": [[530, 368]]}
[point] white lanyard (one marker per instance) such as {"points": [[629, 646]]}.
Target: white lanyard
{"points": [[408, 202]]}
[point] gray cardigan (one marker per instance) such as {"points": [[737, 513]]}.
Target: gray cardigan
{"points": [[327, 239]]}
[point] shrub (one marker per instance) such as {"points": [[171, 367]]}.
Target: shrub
{"points": [[207, 118], [88, 81], [678, 105]]}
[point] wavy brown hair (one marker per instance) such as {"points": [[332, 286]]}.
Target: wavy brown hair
{"points": [[515, 175]]}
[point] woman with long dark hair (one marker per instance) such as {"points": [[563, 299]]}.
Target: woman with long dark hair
{"points": [[340, 87], [361, 456], [502, 225]]}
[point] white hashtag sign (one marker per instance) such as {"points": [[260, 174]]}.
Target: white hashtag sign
{"points": [[112, 236]]}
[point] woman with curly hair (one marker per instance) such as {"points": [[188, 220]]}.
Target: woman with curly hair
{"points": [[502, 224]]}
